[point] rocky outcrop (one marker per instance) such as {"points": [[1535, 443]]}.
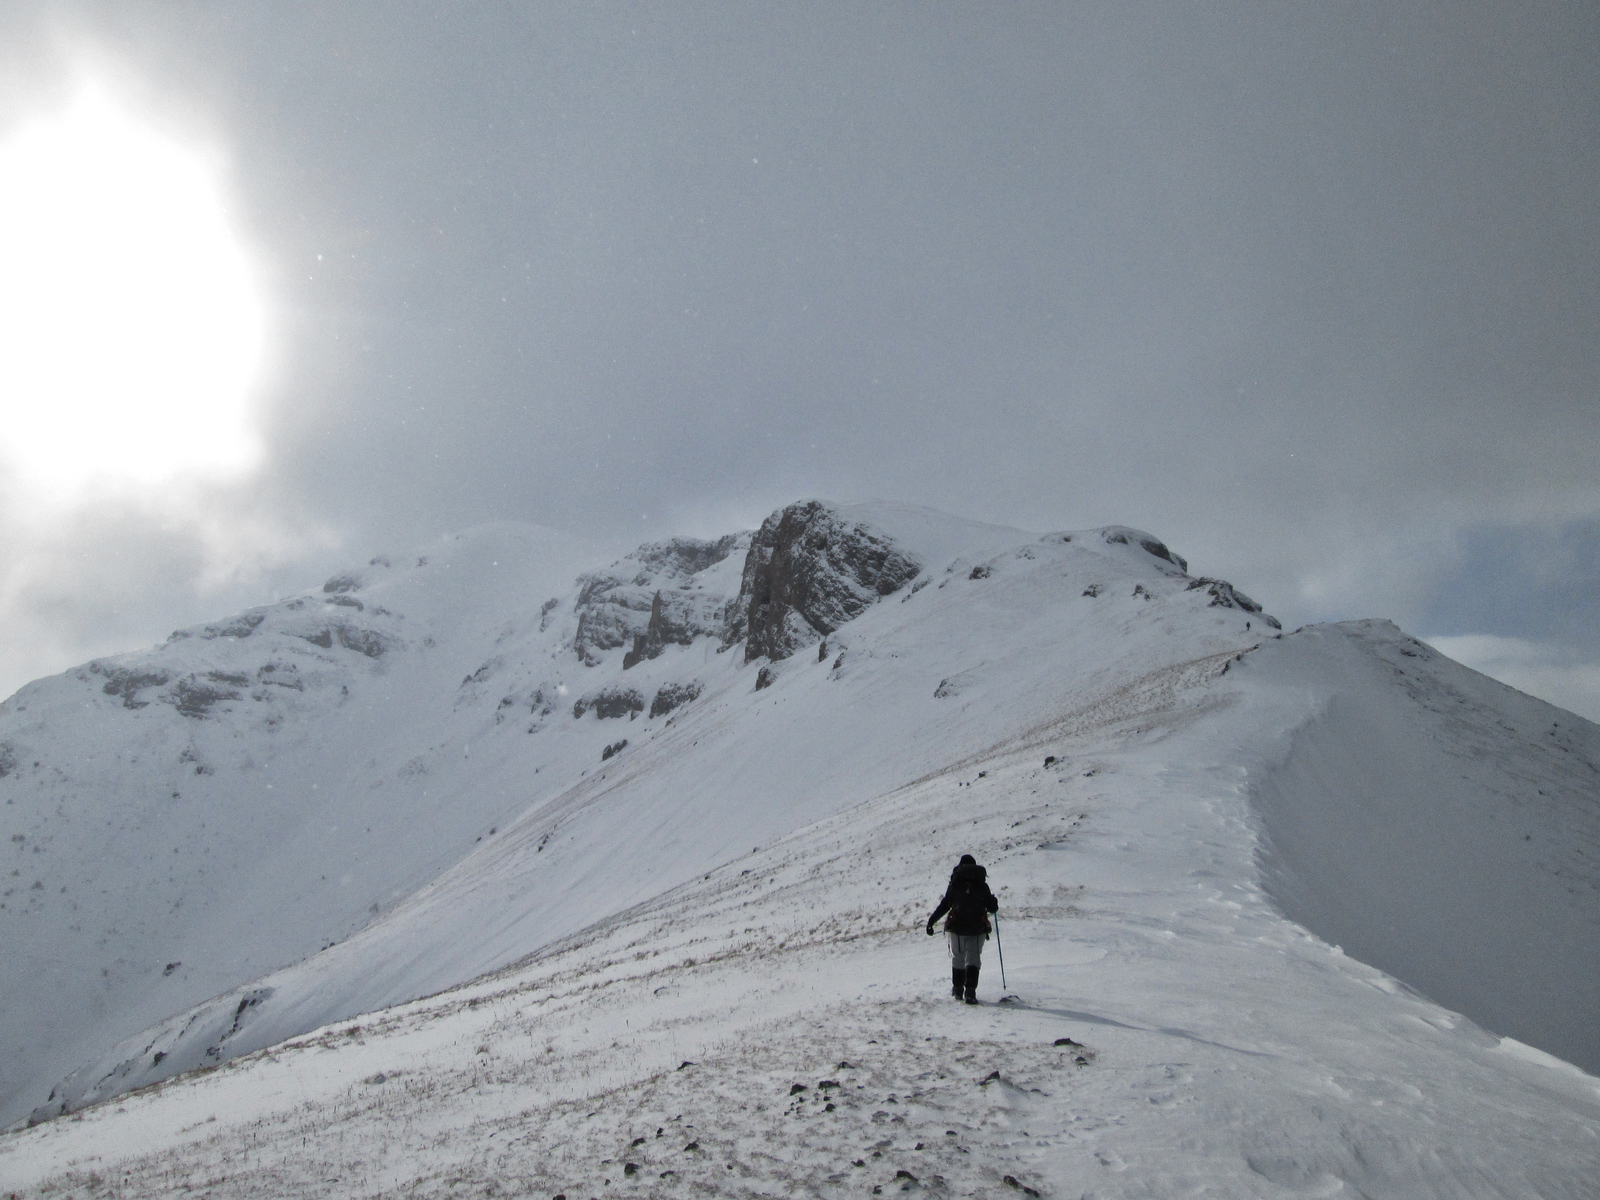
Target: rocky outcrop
{"points": [[241, 626], [652, 599], [658, 632], [809, 571], [671, 696], [610, 702], [1121, 535], [345, 582], [1224, 595], [194, 698], [127, 682]]}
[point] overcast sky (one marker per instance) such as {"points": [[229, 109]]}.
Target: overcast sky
{"points": [[1312, 292]]}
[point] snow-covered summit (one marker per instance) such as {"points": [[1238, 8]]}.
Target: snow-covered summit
{"points": [[568, 794]]}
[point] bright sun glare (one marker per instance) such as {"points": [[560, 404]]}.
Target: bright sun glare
{"points": [[131, 331]]}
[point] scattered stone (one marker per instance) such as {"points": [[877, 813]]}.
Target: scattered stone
{"points": [[614, 748], [1012, 1181], [1049, 760], [764, 678], [1067, 1042], [797, 1089], [630, 1168]]}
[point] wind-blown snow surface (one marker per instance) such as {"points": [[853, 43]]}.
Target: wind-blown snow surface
{"points": [[251, 791], [1223, 1046]]}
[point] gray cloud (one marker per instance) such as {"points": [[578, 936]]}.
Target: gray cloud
{"points": [[1309, 291]]}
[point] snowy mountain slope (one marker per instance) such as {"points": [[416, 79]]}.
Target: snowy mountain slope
{"points": [[181, 820], [779, 1025], [1439, 825], [954, 664]]}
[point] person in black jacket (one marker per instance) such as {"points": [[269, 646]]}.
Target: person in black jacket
{"points": [[969, 902]]}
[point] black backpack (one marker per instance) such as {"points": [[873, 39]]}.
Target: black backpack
{"points": [[970, 900]]}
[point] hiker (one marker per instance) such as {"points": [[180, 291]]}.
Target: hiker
{"points": [[969, 902]]}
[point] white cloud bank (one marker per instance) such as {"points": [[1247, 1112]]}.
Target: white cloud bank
{"points": [[1538, 668]]}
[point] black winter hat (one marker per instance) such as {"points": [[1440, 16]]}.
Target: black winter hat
{"points": [[968, 861]]}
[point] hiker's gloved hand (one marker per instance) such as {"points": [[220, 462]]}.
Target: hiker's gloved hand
{"points": [[930, 928]]}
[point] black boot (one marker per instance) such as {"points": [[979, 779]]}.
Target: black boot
{"points": [[958, 981], [972, 985]]}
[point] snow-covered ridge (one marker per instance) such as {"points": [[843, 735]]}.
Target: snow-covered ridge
{"points": [[1437, 824]]}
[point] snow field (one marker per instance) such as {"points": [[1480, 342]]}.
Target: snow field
{"points": [[1227, 1050]]}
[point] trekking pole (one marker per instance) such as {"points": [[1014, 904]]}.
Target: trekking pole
{"points": [[1001, 950]]}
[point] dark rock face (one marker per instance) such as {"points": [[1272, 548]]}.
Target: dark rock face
{"points": [[364, 641], [194, 698], [672, 696], [241, 626], [610, 702], [651, 599], [1225, 595], [342, 583], [128, 683], [658, 632], [352, 637], [809, 571]]}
